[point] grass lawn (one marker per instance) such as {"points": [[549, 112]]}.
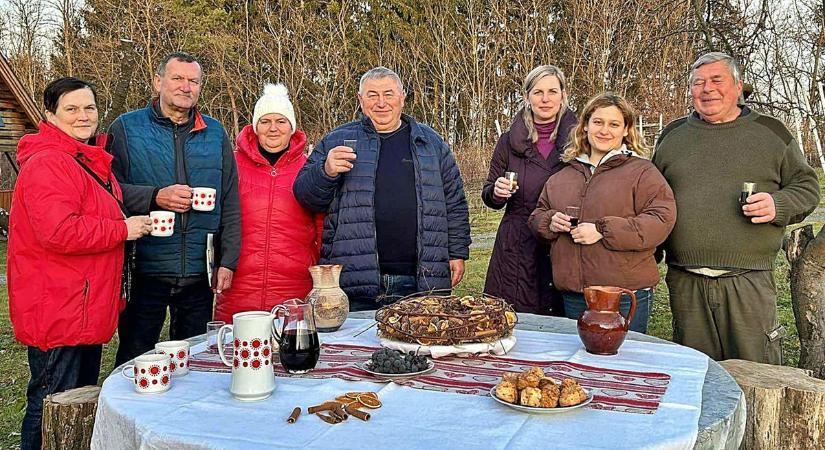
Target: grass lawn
{"points": [[13, 360]]}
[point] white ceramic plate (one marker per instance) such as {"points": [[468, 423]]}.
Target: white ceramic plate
{"points": [[395, 376], [537, 410]]}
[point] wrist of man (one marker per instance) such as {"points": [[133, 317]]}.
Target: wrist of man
{"points": [[154, 204]]}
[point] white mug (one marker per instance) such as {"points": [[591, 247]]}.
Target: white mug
{"points": [[251, 357], [178, 351], [163, 223], [151, 373], [203, 199]]}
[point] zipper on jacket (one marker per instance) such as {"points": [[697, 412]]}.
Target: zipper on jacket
{"points": [[183, 216], [273, 173], [85, 304], [374, 227]]}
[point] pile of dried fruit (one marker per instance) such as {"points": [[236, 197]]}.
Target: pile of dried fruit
{"points": [[446, 320]]}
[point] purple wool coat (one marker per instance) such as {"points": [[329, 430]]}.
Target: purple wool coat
{"points": [[519, 269]]}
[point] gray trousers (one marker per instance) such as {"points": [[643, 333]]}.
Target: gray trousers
{"points": [[727, 317]]}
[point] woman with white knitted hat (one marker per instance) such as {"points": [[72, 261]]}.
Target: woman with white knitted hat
{"points": [[279, 238]]}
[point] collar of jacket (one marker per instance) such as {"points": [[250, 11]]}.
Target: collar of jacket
{"points": [[247, 144], [520, 142], [611, 159], [416, 133], [49, 137], [198, 125]]}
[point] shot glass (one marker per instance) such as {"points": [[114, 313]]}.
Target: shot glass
{"points": [[351, 143], [212, 335], [512, 177], [748, 189], [574, 213]]}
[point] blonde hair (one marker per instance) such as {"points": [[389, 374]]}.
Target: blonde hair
{"points": [[578, 141], [530, 82]]}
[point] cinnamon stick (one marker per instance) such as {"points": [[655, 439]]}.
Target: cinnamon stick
{"points": [[326, 406], [327, 419], [294, 416], [339, 413], [357, 413]]}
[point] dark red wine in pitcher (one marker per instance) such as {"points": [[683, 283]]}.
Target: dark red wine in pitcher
{"points": [[299, 350]]}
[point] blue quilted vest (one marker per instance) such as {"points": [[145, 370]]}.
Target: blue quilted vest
{"points": [[152, 163]]}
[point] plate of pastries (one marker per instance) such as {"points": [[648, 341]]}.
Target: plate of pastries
{"points": [[534, 392]]}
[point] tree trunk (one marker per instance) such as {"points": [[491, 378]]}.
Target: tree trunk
{"points": [[785, 406], [127, 67], [806, 254], [69, 418]]}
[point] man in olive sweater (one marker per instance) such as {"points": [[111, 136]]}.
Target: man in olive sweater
{"points": [[720, 255]]}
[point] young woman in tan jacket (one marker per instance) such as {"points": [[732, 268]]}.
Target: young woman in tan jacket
{"points": [[626, 210]]}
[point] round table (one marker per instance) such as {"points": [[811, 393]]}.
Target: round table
{"points": [[722, 422]]}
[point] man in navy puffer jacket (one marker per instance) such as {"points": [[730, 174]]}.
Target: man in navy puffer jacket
{"points": [[397, 217]]}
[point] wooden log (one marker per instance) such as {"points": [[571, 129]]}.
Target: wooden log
{"points": [[806, 255], [69, 417], [785, 406]]}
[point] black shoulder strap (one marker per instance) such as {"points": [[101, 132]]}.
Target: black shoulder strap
{"points": [[105, 185]]}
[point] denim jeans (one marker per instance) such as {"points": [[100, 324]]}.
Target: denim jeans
{"points": [[189, 301], [574, 307], [56, 370], [393, 288]]}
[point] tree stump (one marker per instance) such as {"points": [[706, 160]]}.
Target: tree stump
{"points": [[806, 254], [69, 417], [785, 406]]}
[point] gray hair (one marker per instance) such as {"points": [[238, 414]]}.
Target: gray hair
{"points": [[712, 57], [179, 56], [530, 82], [377, 73]]}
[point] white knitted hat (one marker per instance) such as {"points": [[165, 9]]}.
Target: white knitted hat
{"points": [[274, 100]]}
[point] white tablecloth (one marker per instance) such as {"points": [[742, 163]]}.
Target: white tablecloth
{"points": [[199, 413]]}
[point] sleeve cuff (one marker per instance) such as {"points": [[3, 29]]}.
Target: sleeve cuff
{"points": [[781, 217]]}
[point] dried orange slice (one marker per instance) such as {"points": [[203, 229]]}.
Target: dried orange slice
{"points": [[356, 394], [369, 401]]}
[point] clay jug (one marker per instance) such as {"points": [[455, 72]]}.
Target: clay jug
{"points": [[602, 328], [330, 301]]}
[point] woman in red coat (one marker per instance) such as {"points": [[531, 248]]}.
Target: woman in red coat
{"points": [[280, 240], [66, 237]]}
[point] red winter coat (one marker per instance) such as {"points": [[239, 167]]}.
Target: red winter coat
{"points": [[279, 238], [66, 236]]}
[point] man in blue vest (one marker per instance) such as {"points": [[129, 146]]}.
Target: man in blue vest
{"points": [[397, 218], [162, 152]]}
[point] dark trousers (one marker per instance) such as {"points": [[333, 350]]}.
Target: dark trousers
{"points": [[56, 370], [574, 307], [188, 299], [727, 317], [393, 288]]}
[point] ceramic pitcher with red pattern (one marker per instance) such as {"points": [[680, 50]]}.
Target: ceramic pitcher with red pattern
{"points": [[251, 357]]}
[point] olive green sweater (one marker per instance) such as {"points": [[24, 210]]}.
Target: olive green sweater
{"points": [[706, 165]]}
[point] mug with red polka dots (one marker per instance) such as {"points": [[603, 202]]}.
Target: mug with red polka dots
{"points": [[163, 223], [203, 199], [150, 373], [250, 356], [178, 351]]}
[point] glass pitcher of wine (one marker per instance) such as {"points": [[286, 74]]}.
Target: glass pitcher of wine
{"points": [[299, 347]]}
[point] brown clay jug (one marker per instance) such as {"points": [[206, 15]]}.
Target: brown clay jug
{"points": [[330, 301], [602, 328]]}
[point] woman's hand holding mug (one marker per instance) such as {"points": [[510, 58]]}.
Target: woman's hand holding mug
{"points": [[137, 227]]}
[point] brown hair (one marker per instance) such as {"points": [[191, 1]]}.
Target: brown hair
{"points": [[578, 141]]}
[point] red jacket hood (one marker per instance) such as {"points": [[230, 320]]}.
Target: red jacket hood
{"points": [[247, 145], [52, 138]]}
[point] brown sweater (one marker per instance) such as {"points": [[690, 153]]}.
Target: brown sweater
{"points": [[633, 208]]}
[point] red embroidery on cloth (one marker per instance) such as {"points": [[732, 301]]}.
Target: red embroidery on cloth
{"points": [[613, 390]]}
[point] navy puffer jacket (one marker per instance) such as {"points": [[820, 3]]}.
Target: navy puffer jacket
{"points": [[348, 200]]}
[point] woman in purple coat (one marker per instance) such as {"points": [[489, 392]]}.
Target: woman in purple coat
{"points": [[519, 270]]}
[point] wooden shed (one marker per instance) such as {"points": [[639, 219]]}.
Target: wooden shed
{"points": [[19, 115]]}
